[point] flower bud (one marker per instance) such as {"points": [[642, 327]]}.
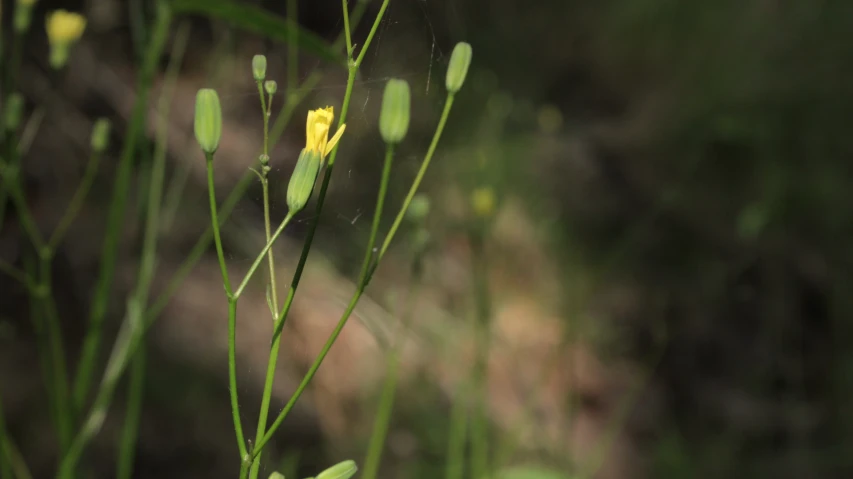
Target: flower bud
{"points": [[302, 181], [271, 87], [418, 208], [342, 470], [100, 135], [394, 116], [23, 15], [483, 202], [276, 475], [259, 67], [460, 60], [14, 111], [208, 120]]}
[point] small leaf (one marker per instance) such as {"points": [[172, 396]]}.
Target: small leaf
{"points": [[258, 20]]}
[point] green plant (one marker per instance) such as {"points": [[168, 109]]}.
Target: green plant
{"points": [[393, 125]]}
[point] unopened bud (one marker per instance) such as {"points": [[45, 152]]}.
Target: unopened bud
{"points": [[14, 111], [23, 15], [457, 70], [208, 120], [302, 181], [342, 470], [276, 475], [271, 87], [394, 116], [100, 135], [259, 67]]}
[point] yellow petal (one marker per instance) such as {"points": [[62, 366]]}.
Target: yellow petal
{"points": [[334, 141]]}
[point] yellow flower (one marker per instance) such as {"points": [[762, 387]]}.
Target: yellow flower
{"points": [[64, 27], [317, 131]]}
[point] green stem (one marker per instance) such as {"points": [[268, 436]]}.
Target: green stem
{"points": [[389, 387], [347, 34], [232, 314], [56, 351], [456, 440], [10, 178], [16, 460], [370, 35], [76, 202], [383, 418], [262, 255], [273, 291], [448, 105], [362, 284], [479, 414], [153, 210], [214, 221], [130, 431], [92, 340]]}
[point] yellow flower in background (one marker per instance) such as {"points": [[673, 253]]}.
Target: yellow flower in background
{"points": [[483, 202], [317, 131], [63, 30], [64, 27]]}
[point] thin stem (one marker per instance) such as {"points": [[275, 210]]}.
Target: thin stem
{"points": [[383, 417], [347, 33], [10, 178], [153, 209], [232, 313], [57, 353], [389, 387], [456, 440], [362, 284], [76, 202], [273, 289], [232, 378], [92, 340], [214, 221], [448, 105], [16, 459], [479, 414], [133, 413], [262, 255], [370, 35]]}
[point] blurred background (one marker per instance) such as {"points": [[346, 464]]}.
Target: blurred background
{"points": [[669, 261]]}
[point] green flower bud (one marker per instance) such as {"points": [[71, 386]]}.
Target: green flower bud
{"points": [[100, 135], [23, 16], [460, 60], [276, 475], [418, 208], [394, 116], [271, 87], [14, 111], [483, 202], [259, 67], [341, 470], [302, 181], [208, 120]]}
